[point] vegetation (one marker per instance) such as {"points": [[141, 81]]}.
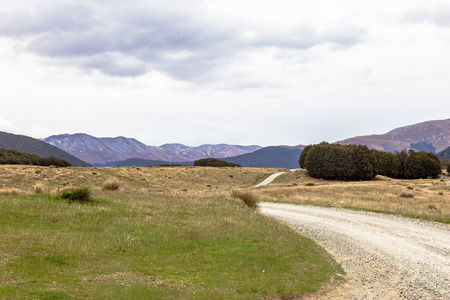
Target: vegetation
{"points": [[77, 194], [248, 198], [111, 185], [13, 157], [30, 145], [351, 162], [448, 169], [382, 194], [213, 162], [138, 245], [339, 162]]}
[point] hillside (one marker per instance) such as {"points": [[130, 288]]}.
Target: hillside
{"points": [[14, 157], [105, 151], [139, 162], [430, 136], [444, 155], [30, 145], [269, 157]]}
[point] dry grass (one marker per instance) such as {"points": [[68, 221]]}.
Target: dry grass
{"points": [[381, 194], [38, 189], [110, 185], [10, 192], [133, 179], [248, 198]]}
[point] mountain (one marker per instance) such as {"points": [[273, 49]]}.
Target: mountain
{"points": [[269, 157], [139, 162], [444, 154], [210, 151], [104, 151], [30, 145], [430, 136]]}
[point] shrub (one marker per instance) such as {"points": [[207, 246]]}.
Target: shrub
{"points": [[448, 169], [213, 162], [406, 195], [38, 189], [249, 199], [111, 185], [79, 194], [310, 184]]}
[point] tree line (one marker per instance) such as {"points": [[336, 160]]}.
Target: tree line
{"points": [[358, 162], [13, 157]]}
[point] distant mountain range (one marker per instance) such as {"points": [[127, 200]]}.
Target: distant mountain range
{"points": [[268, 157], [430, 136], [103, 151], [30, 145]]}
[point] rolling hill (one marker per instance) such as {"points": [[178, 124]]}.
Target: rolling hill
{"points": [[430, 136], [269, 157], [34, 146]]}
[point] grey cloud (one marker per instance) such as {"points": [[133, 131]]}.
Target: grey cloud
{"points": [[439, 16], [133, 41]]}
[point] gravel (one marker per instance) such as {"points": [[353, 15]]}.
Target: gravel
{"points": [[384, 256]]}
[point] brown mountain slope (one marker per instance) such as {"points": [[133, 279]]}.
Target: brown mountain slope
{"points": [[429, 135]]}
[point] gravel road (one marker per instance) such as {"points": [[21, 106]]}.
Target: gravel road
{"points": [[384, 256]]}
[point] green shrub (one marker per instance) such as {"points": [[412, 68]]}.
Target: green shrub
{"points": [[213, 162], [79, 194], [249, 199]]}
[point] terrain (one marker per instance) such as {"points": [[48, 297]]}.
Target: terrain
{"points": [[218, 247], [30, 145], [166, 233], [384, 256], [430, 136]]}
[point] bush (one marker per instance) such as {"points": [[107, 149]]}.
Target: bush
{"points": [[339, 162], [407, 195], [249, 199], [111, 185], [38, 189], [79, 194], [448, 169], [387, 164], [213, 162], [303, 156], [421, 165]]}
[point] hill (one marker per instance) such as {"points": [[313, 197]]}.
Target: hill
{"points": [[430, 136], [30, 145], [269, 157], [444, 155], [105, 151], [139, 162], [14, 157]]}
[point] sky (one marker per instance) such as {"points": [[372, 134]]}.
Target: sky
{"points": [[223, 71]]}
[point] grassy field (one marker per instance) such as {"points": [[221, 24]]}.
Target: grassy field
{"points": [[167, 233], [423, 198]]}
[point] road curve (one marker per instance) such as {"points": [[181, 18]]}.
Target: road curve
{"points": [[269, 179], [384, 256]]}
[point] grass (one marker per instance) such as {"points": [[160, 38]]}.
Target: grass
{"points": [[141, 245], [248, 198], [431, 198]]}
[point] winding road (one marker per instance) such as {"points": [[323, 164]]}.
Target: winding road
{"points": [[384, 256]]}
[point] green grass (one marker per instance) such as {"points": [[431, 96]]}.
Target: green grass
{"points": [[123, 246]]}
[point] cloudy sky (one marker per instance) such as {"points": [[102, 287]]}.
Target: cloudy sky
{"points": [[223, 71]]}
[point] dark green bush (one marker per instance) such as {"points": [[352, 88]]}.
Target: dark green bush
{"points": [[448, 169], [421, 165], [339, 162], [79, 194], [303, 155], [387, 164], [213, 162]]}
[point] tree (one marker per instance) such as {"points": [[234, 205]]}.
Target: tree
{"points": [[213, 162], [421, 165]]}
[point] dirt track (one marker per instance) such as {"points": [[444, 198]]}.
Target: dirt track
{"points": [[384, 256]]}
